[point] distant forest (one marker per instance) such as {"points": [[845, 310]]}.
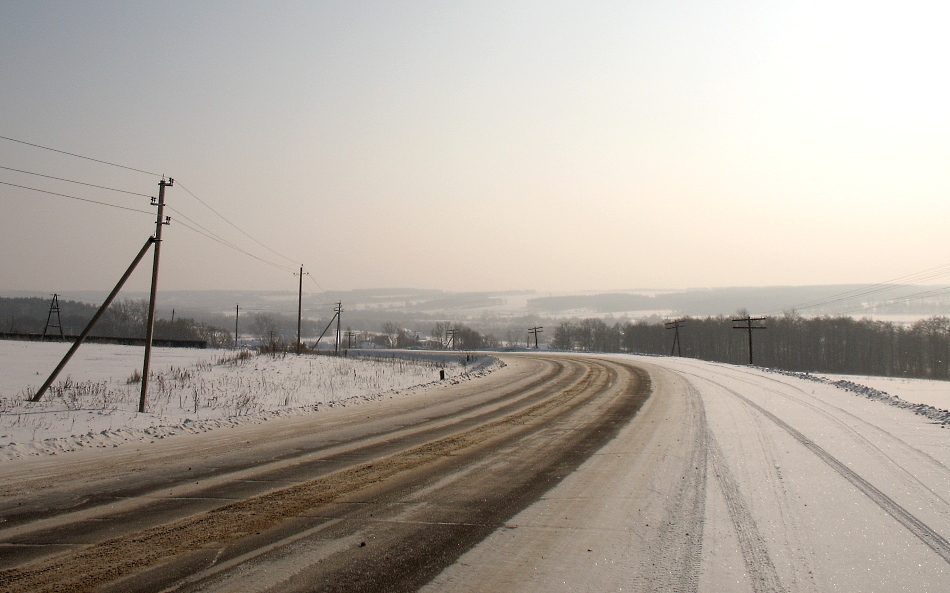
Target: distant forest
{"points": [[819, 344], [123, 319]]}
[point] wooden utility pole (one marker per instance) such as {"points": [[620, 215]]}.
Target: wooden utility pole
{"points": [[349, 338], [749, 321], [339, 337], [450, 333], [237, 315], [535, 331], [299, 306], [675, 325], [160, 221]]}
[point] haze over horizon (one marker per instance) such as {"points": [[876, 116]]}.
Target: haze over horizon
{"points": [[560, 147]]}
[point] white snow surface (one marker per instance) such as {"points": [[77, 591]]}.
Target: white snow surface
{"points": [[737, 479], [93, 403], [919, 391]]}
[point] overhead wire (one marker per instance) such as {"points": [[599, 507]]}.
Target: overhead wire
{"points": [[205, 232], [315, 283], [915, 277], [203, 228], [77, 198], [234, 247], [240, 230], [132, 193], [246, 234], [81, 156], [910, 297]]}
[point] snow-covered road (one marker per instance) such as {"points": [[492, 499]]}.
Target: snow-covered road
{"points": [[558, 472], [736, 479]]}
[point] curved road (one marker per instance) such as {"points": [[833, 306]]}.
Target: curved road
{"points": [[556, 473], [378, 497]]}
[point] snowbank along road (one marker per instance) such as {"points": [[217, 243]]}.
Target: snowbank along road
{"points": [[556, 473]]}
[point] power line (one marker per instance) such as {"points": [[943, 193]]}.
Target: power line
{"points": [[211, 234], [234, 247], [249, 236], [77, 198], [317, 284], [235, 226], [206, 232], [921, 276], [81, 156], [78, 182], [214, 236], [915, 296]]}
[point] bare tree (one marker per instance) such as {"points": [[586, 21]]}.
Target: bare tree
{"points": [[392, 331], [266, 328], [124, 319], [440, 333]]}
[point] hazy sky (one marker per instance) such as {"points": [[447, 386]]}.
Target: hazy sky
{"points": [[479, 145]]}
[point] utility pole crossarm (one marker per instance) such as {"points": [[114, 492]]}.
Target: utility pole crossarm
{"points": [[749, 326], [675, 325], [535, 331]]}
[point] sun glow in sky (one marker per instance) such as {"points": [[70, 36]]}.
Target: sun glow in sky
{"points": [[479, 145]]}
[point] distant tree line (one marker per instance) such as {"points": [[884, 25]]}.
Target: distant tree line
{"points": [[123, 319], [439, 338], [819, 344]]}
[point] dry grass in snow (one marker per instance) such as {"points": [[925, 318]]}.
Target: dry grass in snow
{"points": [[95, 403]]}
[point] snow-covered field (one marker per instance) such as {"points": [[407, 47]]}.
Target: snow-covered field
{"points": [[918, 391], [94, 402]]}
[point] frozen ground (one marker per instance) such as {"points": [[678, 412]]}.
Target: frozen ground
{"points": [[94, 403], [918, 391]]}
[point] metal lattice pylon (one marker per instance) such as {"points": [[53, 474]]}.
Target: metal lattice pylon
{"points": [[54, 308]]}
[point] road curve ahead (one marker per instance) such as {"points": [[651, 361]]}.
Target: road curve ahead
{"points": [[736, 479], [378, 497]]}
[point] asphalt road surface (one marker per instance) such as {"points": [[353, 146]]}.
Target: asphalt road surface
{"points": [[377, 497], [555, 473]]}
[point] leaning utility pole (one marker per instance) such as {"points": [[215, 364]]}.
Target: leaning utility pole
{"points": [[336, 314], [675, 325], [748, 321], [160, 221], [535, 331], [92, 322]]}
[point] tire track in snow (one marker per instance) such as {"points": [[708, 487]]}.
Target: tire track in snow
{"points": [[910, 480], [680, 542], [927, 458], [921, 530], [755, 553]]}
